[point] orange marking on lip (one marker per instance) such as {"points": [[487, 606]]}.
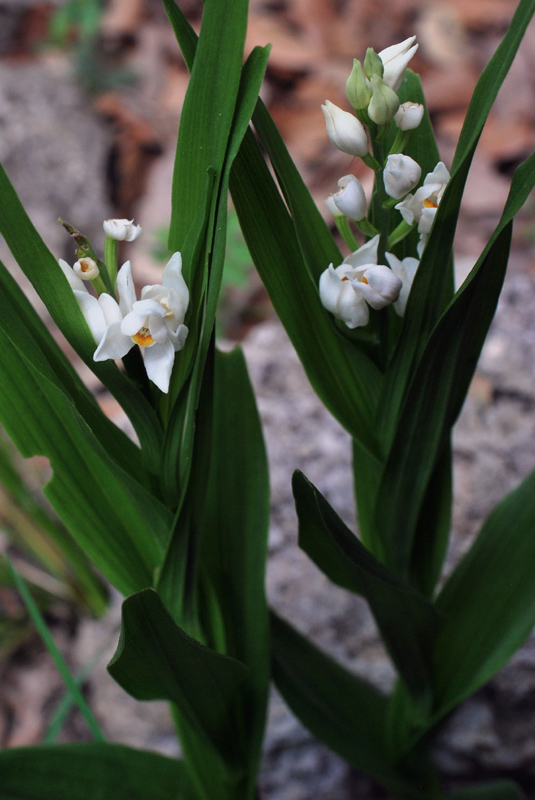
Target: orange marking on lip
{"points": [[430, 204], [143, 337]]}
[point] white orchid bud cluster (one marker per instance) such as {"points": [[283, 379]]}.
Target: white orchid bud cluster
{"points": [[372, 89]]}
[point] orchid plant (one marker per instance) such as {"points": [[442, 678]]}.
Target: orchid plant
{"points": [[177, 521]]}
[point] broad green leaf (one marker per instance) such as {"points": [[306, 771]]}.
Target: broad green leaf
{"points": [[155, 659], [343, 711], [488, 601], [91, 771], [499, 790], [408, 623], [208, 109], [107, 511], [42, 269], [344, 378]]}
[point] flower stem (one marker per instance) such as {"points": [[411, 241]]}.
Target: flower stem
{"points": [[110, 258]]}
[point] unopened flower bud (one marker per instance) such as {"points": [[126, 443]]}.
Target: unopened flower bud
{"points": [[373, 64], [357, 90], [86, 269], [395, 60], [333, 208], [123, 230], [384, 102], [409, 115], [351, 199], [345, 131], [401, 175]]}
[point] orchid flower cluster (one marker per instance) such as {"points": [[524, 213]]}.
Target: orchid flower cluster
{"points": [[361, 280], [155, 322]]}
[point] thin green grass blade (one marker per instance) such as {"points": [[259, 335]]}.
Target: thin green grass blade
{"points": [[499, 790], [186, 37], [408, 622], [91, 770], [59, 661]]}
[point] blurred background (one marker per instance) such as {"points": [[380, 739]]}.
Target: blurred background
{"points": [[90, 100]]}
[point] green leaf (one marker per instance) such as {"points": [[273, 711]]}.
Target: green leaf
{"points": [[234, 541], [488, 601], [186, 37], [433, 403], [156, 660], [90, 771], [345, 379], [42, 269], [499, 790], [343, 711], [208, 109], [408, 623], [107, 511], [436, 394]]}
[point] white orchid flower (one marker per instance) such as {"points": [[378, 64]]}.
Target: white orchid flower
{"points": [[395, 59], [427, 196], [405, 271], [123, 230], [86, 269], [401, 174], [371, 283], [345, 131], [351, 199]]}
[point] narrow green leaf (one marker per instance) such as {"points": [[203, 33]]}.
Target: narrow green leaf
{"points": [[186, 37], [208, 109], [408, 623], [344, 378], [499, 790], [343, 711], [155, 659], [59, 661], [488, 601], [107, 511], [234, 544], [435, 396], [91, 771], [42, 269]]}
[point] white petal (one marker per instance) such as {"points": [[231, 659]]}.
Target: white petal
{"points": [[132, 323], [75, 282], [173, 279], [159, 363], [405, 270], [330, 285], [110, 307], [126, 288], [114, 344], [382, 286], [158, 329], [178, 338], [367, 254], [352, 308], [93, 313], [145, 307]]}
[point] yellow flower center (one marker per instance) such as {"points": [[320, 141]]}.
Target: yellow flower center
{"points": [[430, 204], [143, 337]]}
